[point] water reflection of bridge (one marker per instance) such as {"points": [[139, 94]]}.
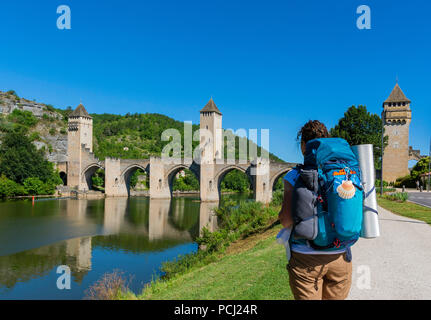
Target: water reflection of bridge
{"points": [[137, 225], [166, 218]]}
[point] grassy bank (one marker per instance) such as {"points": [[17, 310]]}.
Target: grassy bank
{"points": [[240, 260], [251, 268], [407, 209]]}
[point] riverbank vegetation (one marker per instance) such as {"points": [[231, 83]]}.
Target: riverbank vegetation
{"points": [[240, 226], [24, 169], [251, 269]]}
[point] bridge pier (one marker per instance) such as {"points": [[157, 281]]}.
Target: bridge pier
{"points": [[115, 185], [208, 184], [159, 183], [262, 186], [82, 163]]}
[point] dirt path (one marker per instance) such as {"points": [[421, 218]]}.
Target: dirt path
{"points": [[398, 262]]}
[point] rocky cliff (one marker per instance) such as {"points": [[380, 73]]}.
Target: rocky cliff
{"points": [[49, 130]]}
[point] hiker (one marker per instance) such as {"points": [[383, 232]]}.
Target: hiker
{"points": [[321, 271], [417, 184]]}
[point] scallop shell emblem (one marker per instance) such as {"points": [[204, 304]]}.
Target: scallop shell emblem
{"points": [[346, 190]]}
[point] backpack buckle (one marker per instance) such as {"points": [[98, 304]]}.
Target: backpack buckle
{"points": [[337, 243], [320, 199]]}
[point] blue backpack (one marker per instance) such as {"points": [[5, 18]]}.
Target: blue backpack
{"points": [[327, 197]]}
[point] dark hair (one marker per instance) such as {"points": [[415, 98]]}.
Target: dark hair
{"points": [[313, 129]]}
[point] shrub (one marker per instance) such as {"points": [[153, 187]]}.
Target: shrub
{"points": [[397, 196], [406, 181], [9, 188], [34, 136], [47, 117], [277, 197], [52, 131], [235, 221], [34, 186], [49, 107], [13, 93], [377, 183], [109, 287], [98, 179], [24, 118], [63, 131]]}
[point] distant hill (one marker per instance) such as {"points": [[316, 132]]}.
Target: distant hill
{"points": [[137, 136], [132, 136]]}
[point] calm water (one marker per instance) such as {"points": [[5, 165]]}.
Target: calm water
{"points": [[92, 237]]}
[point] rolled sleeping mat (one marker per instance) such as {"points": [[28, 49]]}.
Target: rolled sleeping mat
{"points": [[370, 221]]}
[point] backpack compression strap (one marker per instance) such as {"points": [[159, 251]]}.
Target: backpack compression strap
{"points": [[335, 244]]}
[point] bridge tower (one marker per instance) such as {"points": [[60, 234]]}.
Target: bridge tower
{"points": [[79, 140], [211, 150], [396, 117]]}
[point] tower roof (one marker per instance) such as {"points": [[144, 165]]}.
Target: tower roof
{"points": [[211, 107], [80, 112], [397, 95]]}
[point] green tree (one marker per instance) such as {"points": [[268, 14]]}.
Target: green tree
{"points": [[420, 167], [19, 159], [236, 181], [34, 186], [98, 179], [188, 182], [358, 126]]}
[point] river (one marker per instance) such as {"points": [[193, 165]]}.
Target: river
{"points": [[133, 236]]}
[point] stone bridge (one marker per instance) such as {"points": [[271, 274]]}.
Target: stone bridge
{"points": [[210, 170]]}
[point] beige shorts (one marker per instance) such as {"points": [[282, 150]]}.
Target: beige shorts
{"points": [[319, 276]]}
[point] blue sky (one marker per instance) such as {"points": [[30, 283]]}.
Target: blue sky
{"points": [[267, 64]]}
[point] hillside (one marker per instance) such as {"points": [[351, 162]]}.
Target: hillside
{"points": [[136, 136], [132, 136], [46, 126]]}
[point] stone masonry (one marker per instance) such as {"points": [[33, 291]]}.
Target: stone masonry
{"points": [[210, 170]]}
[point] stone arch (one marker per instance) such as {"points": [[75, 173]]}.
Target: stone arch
{"points": [[87, 174], [63, 177], [278, 175], [126, 174], [224, 171], [170, 174]]}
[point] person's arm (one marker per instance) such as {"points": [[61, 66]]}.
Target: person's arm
{"points": [[285, 214]]}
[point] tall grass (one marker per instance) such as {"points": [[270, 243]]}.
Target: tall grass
{"points": [[235, 221], [109, 287]]}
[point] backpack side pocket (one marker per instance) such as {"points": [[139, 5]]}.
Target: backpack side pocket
{"points": [[304, 206]]}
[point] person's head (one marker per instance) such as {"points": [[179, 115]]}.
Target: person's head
{"points": [[313, 129]]}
